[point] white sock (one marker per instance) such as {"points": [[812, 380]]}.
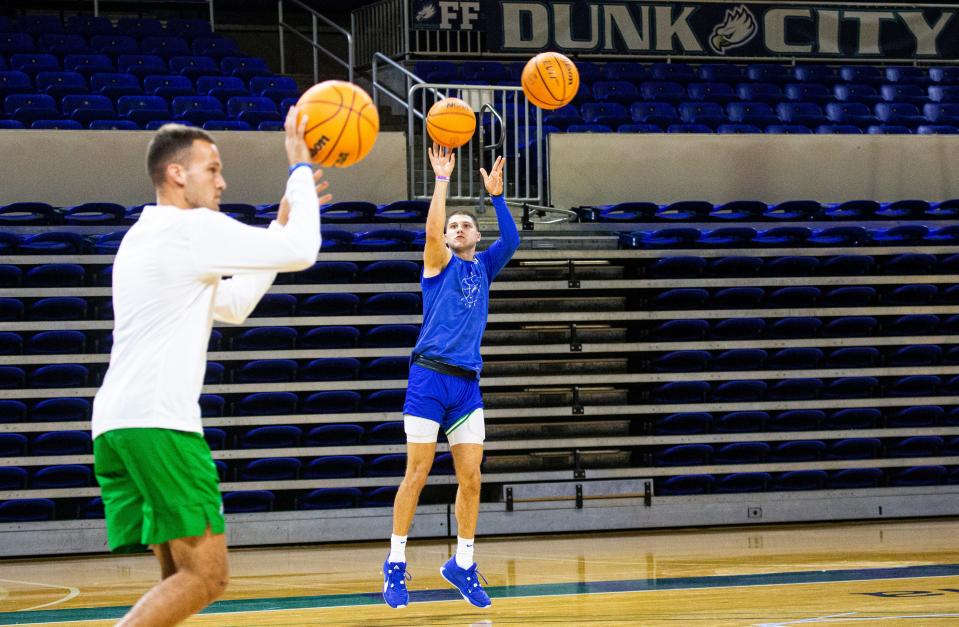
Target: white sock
{"points": [[397, 548], [464, 552]]}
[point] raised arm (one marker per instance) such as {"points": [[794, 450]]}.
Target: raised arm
{"points": [[500, 251], [436, 254]]}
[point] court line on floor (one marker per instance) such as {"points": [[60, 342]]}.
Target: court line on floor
{"points": [[71, 593], [512, 592]]}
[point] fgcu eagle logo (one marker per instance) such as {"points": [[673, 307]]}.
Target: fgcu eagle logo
{"points": [[737, 29], [471, 288], [426, 11]]}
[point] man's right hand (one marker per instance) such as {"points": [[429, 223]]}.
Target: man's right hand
{"points": [[283, 214], [443, 160], [296, 148]]}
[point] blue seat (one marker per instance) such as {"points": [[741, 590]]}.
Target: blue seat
{"points": [[791, 265], [141, 65], [684, 455], [139, 27], [916, 355], [383, 240], [662, 91], [379, 497], [383, 401], [33, 63], [108, 244], [911, 94], [222, 87], [167, 86], [796, 420], [211, 405], [677, 267], [682, 330], [899, 114], [193, 66], [682, 361], [681, 392], [853, 357], [252, 109], [143, 109], [266, 338], [215, 373], [62, 44], [26, 510], [334, 402], [735, 266], [855, 478], [94, 213], [743, 482], [732, 129], [12, 478], [795, 359], [798, 480], [215, 47], [683, 423], [681, 298], [759, 92], [281, 436], [905, 235], [793, 236], [61, 476], [659, 113], [12, 377], [248, 501], [708, 113], [334, 467], [266, 404], [329, 337], [56, 342], [851, 326], [846, 265], [13, 445], [391, 465], [197, 109], [266, 371], [624, 71], [738, 329], [798, 451], [10, 343], [115, 84], [61, 443], [678, 72], [215, 438], [114, 45], [387, 368], [739, 392], [244, 67], [392, 271], [912, 295], [673, 237], [14, 82], [10, 276], [60, 375], [10, 309], [71, 125], [937, 129], [727, 237], [329, 305], [391, 304], [720, 93], [390, 335], [741, 453], [741, 422], [801, 113], [329, 498], [739, 359], [275, 306], [916, 416], [852, 387], [386, 433], [796, 389], [55, 275], [792, 297], [622, 92], [720, 72], [685, 485], [852, 418], [334, 435], [917, 476], [188, 27], [402, 211], [916, 446], [269, 469], [854, 448], [27, 108], [330, 369], [947, 235]]}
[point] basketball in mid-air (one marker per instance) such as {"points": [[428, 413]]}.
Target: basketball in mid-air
{"points": [[550, 80], [451, 122], [342, 123]]}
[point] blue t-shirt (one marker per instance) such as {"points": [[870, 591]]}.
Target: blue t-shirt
{"points": [[456, 301]]}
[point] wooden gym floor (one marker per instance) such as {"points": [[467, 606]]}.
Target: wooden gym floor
{"points": [[884, 573]]}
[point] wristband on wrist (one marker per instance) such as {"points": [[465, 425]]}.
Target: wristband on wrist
{"points": [[445, 179], [297, 165]]}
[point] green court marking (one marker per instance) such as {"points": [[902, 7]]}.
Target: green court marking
{"points": [[502, 592]]}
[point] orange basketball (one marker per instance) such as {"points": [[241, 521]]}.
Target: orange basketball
{"points": [[550, 80], [451, 122], [342, 125]]}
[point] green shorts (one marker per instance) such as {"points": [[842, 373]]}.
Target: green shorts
{"points": [[157, 485]]}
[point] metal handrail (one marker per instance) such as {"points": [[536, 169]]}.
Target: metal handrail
{"points": [[315, 18], [412, 79]]}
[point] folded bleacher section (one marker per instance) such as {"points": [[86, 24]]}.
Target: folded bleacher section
{"points": [[137, 73], [740, 347], [634, 97]]}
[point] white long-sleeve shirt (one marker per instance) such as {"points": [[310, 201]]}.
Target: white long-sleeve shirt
{"points": [[167, 291]]}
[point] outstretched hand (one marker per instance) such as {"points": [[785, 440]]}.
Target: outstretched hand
{"points": [[494, 180], [296, 149], [283, 214], [443, 159]]}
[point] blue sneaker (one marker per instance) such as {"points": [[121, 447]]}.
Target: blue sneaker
{"points": [[466, 580], [394, 584]]}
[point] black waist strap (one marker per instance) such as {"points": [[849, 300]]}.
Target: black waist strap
{"points": [[444, 368]]}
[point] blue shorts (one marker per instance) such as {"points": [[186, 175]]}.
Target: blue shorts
{"points": [[443, 398]]}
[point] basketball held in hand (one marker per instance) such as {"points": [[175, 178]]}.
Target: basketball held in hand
{"points": [[550, 80], [342, 123], [451, 122]]}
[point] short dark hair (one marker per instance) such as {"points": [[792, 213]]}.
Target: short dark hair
{"points": [[168, 146], [469, 213]]}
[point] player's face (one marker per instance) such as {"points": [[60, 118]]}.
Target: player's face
{"points": [[461, 233], [203, 177]]}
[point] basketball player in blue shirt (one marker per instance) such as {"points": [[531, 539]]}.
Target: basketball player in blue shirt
{"points": [[443, 390]]}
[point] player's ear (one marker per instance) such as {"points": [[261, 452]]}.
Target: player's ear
{"points": [[175, 173]]}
